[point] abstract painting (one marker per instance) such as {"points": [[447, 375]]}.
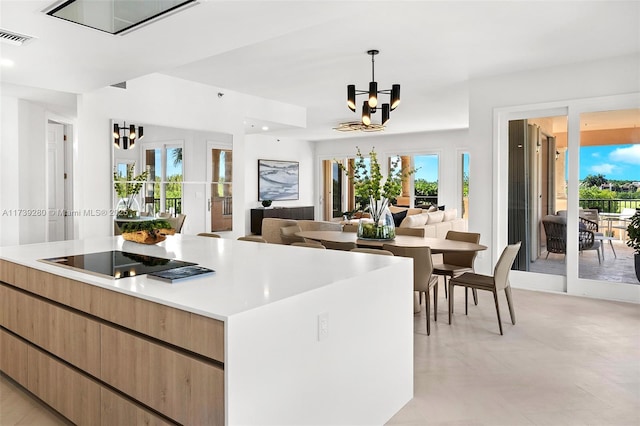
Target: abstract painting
{"points": [[278, 180]]}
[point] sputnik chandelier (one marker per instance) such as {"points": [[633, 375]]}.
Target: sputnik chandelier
{"points": [[125, 137], [370, 105]]}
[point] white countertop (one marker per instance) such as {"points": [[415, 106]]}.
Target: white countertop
{"points": [[248, 275]]}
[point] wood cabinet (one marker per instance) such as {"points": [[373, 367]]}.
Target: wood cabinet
{"points": [[296, 213], [102, 357]]}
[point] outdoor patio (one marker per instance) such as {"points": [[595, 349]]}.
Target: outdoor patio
{"points": [[616, 269]]}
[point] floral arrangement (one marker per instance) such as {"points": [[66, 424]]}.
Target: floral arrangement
{"points": [[368, 182], [128, 186]]}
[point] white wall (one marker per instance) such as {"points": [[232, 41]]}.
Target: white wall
{"points": [[160, 100], [550, 86], [9, 199], [271, 148]]}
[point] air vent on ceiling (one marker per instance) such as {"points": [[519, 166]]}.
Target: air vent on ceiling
{"points": [[14, 38]]}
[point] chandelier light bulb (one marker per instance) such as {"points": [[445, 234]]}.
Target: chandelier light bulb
{"points": [[373, 94]]}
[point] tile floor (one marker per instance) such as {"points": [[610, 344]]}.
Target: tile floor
{"points": [[619, 268], [567, 361]]}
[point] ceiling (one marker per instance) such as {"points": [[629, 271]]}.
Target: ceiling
{"points": [[306, 52]]}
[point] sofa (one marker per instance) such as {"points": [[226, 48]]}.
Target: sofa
{"points": [[425, 223], [282, 231]]}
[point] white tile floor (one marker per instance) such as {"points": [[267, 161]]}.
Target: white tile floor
{"points": [[567, 361]]}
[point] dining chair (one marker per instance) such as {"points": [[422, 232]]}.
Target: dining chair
{"points": [[254, 238], [208, 234], [423, 279], [493, 283], [371, 251], [334, 245], [311, 245], [456, 263]]}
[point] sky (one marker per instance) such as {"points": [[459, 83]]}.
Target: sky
{"points": [[615, 162], [426, 167]]}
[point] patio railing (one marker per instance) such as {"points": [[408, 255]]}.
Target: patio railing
{"points": [[609, 206]]}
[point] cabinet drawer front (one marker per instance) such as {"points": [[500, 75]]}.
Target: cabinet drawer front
{"points": [[193, 332], [13, 358], [70, 393], [66, 334], [117, 410], [184, 389]]}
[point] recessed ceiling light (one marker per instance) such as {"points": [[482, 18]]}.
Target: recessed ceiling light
{"points": [[265, 128], [6, 62]]}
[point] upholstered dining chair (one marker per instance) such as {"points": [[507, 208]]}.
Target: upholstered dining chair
{"points": [[456, 263], [208, 234], [334, 245], [423, 279], [493, 283], [311, 245], [254, 238], [371, 251]]}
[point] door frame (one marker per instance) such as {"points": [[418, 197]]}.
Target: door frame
{"points": [[571, 284], [71, 225]]}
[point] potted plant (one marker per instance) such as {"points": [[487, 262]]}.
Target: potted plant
{"points": [[266, 203], [127, 187], [633, 240], [375, 193], [147, 232]]}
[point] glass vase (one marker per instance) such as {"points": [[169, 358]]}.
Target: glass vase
{"points": [[128, 208], [382, 226]]}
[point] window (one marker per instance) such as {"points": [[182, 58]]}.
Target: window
{"points": [[164, 193]]}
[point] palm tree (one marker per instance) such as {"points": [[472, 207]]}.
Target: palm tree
{"points": [[177, 156]]}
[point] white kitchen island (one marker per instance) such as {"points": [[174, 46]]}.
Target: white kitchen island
{"points": [[279, 367]]}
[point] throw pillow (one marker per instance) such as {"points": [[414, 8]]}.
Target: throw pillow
{"points": [[435, 217], [414, 221], [440, 207], [399, 217], [288, 234], [396, 209], [432, 208], [450, 214]]}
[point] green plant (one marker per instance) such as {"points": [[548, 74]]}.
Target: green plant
{"points": [[147, 225], [128, 186], [633, 233]]}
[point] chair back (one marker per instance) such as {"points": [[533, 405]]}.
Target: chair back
{"points": [[465, 259], [208, 234], [253, 238], [333, 245], [555, 229], [422, 263], [501, 271], [372, 251], [180, 221], [311, 245]]}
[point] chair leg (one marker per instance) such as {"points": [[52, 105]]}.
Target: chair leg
{"points": [[435, 302], [427, 303], [495, 298], [445, 286], [450, 300], [475, 296], [512, 312], [466, 300]]}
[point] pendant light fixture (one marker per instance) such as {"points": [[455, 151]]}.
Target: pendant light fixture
{"points": [[371, 105], [125, 137]]}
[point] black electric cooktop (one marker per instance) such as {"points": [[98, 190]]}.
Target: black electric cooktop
{"points": [[117, 264]]}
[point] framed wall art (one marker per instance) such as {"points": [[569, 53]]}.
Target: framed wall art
{"points": [[278, 180]]}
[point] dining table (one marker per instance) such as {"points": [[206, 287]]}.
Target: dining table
{"points": [[437, 245]]}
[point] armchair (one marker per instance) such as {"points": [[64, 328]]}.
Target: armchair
{"points": [[555, 228]]}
